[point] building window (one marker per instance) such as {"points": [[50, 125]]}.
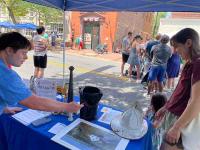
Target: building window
{"points": [[31, 14], [56, 27]]}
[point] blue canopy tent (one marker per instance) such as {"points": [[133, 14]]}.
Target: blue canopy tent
{"points": [[6, 25], [29, 26], [119, 5], [122, 5], [18, 26]]}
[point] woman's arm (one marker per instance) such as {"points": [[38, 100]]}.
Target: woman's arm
{"points": [[192, 110]]}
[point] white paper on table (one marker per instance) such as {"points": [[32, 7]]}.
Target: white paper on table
{"points": [[84, 135], [106, 109], [108, 116], [26, 117], [45, 88], [57, 128], [59, 96]]}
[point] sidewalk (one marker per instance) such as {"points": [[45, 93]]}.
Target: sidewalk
{"points": [[91, 53]]}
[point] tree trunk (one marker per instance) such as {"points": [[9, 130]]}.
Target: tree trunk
{"points": [[11, 14], [155, 24]]}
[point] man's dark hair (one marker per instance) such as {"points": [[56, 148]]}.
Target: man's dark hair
{"points": [[164, 39], [130, 33], [158, 100], [138, 37], [40, 29], [14, 40]]}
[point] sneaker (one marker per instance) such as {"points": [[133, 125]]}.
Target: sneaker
{"points": [[130, 80], [145, 87], [168, 90], [155, 91], [32, 79], [138, 81], [172, 89], [147, 96], [121, 75]]}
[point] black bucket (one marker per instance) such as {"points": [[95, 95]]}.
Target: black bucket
{"points": [[90, 97]]}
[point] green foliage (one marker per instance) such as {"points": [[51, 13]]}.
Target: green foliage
{"points": [[20, 8], [156, 22], [46, 14], [16, 8]]}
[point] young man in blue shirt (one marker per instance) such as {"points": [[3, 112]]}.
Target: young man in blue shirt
{"points": [[13, 51]]}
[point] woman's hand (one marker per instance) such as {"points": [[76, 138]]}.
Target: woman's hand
{"points": [[160, 113], [173, 135], [11, 110]]}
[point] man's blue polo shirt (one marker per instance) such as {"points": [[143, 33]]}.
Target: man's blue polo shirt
{"points": [[12, 87]]}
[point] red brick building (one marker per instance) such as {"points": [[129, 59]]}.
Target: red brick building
{"points": [[109, 27]]}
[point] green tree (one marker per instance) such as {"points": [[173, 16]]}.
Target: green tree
{"points": [[16, 8], [19, 8], [46, 14], [156, 22]]}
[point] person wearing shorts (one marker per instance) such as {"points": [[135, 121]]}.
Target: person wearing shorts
{"points": [[161, 54], [40, 61], [125, 57], [134, 58], [157, 73], [126, 46], [40, 53]]}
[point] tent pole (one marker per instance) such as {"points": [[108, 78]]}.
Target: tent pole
{"points": [[64, 47]]}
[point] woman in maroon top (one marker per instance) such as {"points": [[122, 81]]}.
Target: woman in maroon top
{"points": [[183, 106]]}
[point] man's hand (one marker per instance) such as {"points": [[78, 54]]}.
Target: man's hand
{"points": [[73, 107], [11, 110]]}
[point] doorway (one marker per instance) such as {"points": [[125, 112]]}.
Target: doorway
{"points": [[91, 34]]}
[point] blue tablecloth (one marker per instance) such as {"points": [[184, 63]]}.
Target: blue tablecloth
{"points": [[16, 136]]}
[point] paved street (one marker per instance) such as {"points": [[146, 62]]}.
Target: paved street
{"points": [[94, 71]]}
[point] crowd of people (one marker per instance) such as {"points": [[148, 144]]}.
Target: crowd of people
{"points": [[154, 60], [176, 121]]}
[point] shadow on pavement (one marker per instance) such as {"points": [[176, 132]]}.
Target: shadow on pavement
{"points": [[116, 93]]}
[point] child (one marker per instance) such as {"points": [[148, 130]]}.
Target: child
{"points": [[158, 100]]}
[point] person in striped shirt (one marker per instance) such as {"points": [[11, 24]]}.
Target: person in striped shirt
{"points": [[40, 52]]}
